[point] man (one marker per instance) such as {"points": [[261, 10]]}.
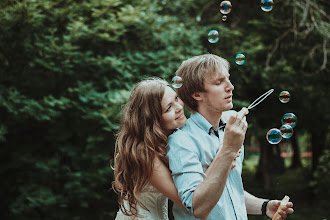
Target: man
{"points": [[207, 93]]}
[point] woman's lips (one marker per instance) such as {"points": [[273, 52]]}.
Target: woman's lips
{"points": [[181, 116]]}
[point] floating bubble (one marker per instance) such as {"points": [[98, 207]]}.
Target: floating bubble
{"points": [[284, 96], [240, 59], [176, 82], [274, 136], [224, 18], [286, 131], [266, 5], [225, 7], [213, 36], [289, 119]]}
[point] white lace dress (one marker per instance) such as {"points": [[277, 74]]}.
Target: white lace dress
{"points": [[154, 200]]}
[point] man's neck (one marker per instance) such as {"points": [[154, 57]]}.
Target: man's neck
{"points": [[211, 116]]}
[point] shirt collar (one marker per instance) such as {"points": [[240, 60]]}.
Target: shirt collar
{"points": [[204, 124]]}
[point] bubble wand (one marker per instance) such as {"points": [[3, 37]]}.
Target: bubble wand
{"points": [[260, 99]]}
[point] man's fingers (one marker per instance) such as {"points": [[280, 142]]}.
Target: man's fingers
{"points": [[232, 119], [244, 111], [243, 123], [241, 115]]}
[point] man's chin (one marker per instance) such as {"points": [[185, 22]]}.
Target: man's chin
{"points": [[229, 106]]}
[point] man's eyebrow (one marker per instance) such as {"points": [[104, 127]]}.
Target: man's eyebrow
{"points": [[220, 77]]}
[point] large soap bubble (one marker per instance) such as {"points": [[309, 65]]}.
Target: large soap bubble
{"points": [[176, 82], [266, 5], [225, 7], [284, 96], [289, 119], [274, 136], [213, 36], [240, 59], [286, 131]]}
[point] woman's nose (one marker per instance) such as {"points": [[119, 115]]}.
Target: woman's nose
{"points": [[178, 107]]}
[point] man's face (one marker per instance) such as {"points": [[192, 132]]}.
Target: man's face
{"points": [[219, 92]]}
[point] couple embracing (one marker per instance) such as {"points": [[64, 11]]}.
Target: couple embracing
{"points": [[195, 162]]}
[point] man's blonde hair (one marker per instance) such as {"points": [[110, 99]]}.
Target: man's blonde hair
{"points": [[193, 73]]}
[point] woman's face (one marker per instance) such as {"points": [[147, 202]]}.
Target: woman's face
{"points": [[172, 111]]}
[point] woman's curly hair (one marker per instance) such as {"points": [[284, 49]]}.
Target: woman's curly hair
{"points": [[139, 141]]}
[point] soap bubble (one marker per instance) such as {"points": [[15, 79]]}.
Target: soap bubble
{"points": [[224, 18], [176, 82], [240, 59], [289, 119], [274, 136], [213, 36], [284, 96], [286, 131], [266, 5], [225, 7]]}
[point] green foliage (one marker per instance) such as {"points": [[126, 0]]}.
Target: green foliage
{"points": [[321, 180], [66, 68]]}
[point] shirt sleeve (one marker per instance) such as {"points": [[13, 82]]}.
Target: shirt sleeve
{"points": [[186, 168]]}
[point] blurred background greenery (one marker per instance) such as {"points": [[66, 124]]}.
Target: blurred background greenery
{"points": [[67, 66]]}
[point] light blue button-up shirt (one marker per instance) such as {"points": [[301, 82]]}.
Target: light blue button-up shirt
{"points": [[190, 150]]}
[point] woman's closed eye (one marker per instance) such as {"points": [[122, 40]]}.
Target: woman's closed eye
{"points": [[168, 108], [176, 99]]}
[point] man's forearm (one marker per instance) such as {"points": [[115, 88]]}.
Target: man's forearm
{"points": [[208, 193], [253, 204]]}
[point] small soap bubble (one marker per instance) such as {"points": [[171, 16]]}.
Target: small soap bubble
{"points": [[176, 82], [286, 131], [284, 96], [274, 136], [225, 7], [224, 18], [289, 119], [240, 59], [266, 5], [213, 36]]}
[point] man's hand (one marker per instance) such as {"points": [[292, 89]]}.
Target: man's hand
{"points": [[235, 130], [273, 205], [233, 165]]}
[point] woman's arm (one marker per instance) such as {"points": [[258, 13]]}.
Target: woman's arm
{"points": [[162, 180]]}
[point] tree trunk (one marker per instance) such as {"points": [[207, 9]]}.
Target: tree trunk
{"points": [[317, 147], [268, 164], [296, 161]]}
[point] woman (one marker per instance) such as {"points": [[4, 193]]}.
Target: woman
{"points": [[142, 178]]}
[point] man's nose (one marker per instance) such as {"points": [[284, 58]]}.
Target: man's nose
{"points": [[230, 86]]}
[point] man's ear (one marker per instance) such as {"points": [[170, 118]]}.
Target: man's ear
{"points": [[197, 96]]}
